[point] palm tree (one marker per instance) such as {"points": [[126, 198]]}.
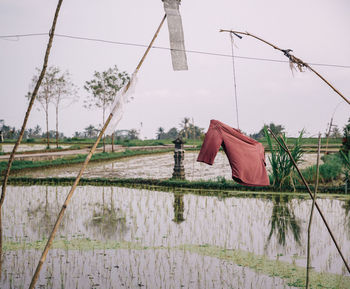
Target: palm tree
{"points": [[184, 124], [37, 130], [160, 133], [133, 134], [90, 131]]}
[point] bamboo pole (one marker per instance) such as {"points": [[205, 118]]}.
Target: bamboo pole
{"points": [[285, 148], [308, 267], [30, 105], [291, 58], [70, 194], [112, 138]]}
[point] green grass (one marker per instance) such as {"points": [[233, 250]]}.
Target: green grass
{"points": [[293, 275], [310, 141], [208, 188]]}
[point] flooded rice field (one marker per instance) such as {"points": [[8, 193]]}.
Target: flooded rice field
{"points": [[114, 237], [7, 148], [152, 166]]}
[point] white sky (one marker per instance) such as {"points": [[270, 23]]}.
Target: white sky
{"points": [[317, 31]]}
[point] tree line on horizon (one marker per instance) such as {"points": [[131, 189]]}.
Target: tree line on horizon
{"points": [[184, 130], [58, 89]]}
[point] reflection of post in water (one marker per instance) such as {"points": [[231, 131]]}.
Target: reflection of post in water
{"points": [[283, 220], [179, 208], [346, 207]]}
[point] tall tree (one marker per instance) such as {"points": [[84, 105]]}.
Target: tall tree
{"points": [[160, 133], [64, 91], [184, 124], [133, 134], [46, 93], [37, 130], [103, 89], [90, 131]]}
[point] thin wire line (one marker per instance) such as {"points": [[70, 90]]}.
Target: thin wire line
{"points": [[234, 79], [3, 37]]}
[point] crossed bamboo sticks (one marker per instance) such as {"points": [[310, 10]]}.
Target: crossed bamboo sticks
{"points": [[293, 59]]}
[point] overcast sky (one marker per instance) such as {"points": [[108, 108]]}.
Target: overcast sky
{"points": [[317, 31]]}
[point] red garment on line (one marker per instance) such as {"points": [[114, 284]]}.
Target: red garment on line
{"points": [[246, 155]]}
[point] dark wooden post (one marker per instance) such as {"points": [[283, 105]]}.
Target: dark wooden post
{"points": [[179, 156]]}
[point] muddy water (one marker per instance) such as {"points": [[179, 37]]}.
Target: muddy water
{"points": [[129, 238], [6, 148], [154, 166]]}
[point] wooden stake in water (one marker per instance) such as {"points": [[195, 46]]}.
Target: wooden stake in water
{"points": [[70, 194], [30, 105], [285, 148], [308, 267], [292, 59]]}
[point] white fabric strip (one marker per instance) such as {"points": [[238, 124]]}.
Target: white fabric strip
{"points": [[124, 96], [176, 34]]}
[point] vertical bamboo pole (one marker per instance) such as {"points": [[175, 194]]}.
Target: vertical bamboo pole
{"points": [[112, 137], [57, 126], [285, 148], [308, 267], [70, 194], [328, 134], [31, 102]]}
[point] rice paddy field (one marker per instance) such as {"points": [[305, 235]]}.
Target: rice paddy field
{"points": [[115, 237], [7, 148], [158, 166], [149, 237]]}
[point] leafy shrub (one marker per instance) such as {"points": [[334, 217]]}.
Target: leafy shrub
{"points": [[331, 170]]}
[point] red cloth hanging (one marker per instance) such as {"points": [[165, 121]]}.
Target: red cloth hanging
{"points": [[246, 155]]}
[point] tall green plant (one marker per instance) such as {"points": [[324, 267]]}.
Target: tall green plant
{"points": [[281, 164], [346, 159]]}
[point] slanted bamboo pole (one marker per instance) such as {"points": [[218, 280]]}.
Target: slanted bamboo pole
{"points": [[75, 184], [308, 267], [291, 58], [285, 148], [30, 105]]}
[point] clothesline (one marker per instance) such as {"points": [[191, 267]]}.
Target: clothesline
{"points": [[10, 36]]}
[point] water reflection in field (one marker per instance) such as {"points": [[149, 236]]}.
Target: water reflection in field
{"points": [[153, 166], [6, 148], [152, 225]]}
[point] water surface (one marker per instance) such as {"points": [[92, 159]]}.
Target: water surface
{"points": [[116, 237]]}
